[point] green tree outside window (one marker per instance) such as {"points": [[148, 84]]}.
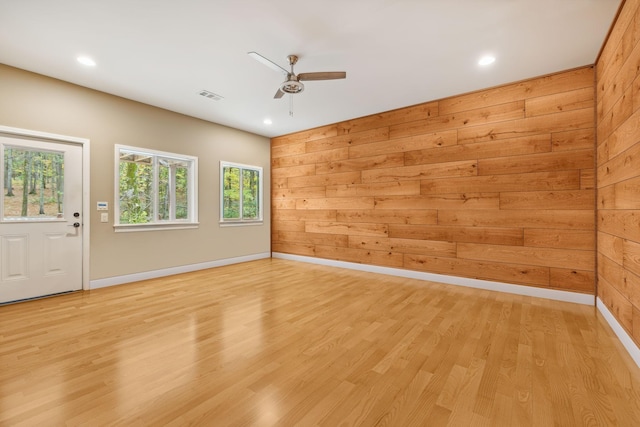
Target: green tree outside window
{"points": [[241, 192], [154, 187]]}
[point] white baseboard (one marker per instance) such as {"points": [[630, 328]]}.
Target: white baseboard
{"points": [[622, 335], [135, 277], [552, 294]]}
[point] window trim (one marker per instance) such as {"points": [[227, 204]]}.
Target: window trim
{"points": [[241, 222], [190, 222]]}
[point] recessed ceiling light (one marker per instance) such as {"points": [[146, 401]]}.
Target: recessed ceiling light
{"points": [[85, 60], [486, 60], [267, 121]]}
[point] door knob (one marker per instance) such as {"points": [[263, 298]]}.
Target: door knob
{"points": [[76, 226]]}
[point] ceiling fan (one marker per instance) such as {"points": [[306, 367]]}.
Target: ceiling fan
{"points": [[293, 83]]}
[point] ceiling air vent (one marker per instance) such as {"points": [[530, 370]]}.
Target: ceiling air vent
{"points": [[211, 95]]}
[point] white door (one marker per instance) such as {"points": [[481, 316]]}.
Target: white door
{"points": [[41, 218]]}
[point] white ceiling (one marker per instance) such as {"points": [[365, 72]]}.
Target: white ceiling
{"points": [[395, 52]]}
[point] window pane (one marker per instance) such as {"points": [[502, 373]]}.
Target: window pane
{"points": [[136, 188], [173, 181], [182, 192], [231, 196], [250, 194], [33, 183], [164, 191]]}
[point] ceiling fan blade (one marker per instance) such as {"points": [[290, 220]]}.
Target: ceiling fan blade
{"points": [[323, 75], [279, 94], [268, 63]]}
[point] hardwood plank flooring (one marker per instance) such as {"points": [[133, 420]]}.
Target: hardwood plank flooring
{"points": [[280, 343]]}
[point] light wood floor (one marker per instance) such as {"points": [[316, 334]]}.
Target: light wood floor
{"points": [[275, 342]]}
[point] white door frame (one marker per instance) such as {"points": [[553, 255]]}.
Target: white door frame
{"points": [[86, 217]]}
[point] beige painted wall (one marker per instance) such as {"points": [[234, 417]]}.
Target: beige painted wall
{"points": [[40, 103]]}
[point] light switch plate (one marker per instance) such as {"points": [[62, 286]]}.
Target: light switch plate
{"points": [[104, 217]]}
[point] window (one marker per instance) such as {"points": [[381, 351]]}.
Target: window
{"points": [[155, 189], [34, 183], [241, 193]]}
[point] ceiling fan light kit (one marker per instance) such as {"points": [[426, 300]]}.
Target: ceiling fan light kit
{"points": [[292, 86]]}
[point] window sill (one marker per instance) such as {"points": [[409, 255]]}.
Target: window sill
{"points": [[240, 223], [125, 228]]}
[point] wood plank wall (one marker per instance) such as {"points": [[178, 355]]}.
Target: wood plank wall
{"points": [[497, 185], [618, 170]]}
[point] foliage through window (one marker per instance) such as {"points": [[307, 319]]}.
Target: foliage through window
{"points": [[241, 193], [155, 187], [33, 183]]}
